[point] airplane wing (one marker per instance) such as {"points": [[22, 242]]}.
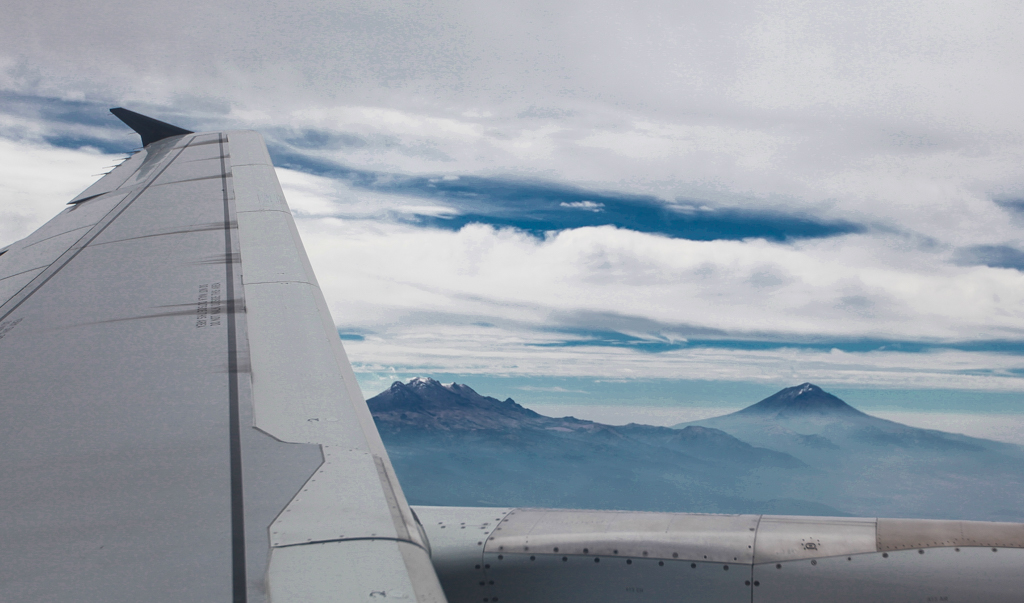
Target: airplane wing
{"points": [[179, 421]]}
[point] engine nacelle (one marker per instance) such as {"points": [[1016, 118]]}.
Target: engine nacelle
{"points": [[534, 555]]}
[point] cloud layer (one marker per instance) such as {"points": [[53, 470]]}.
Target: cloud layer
{"points": [[740, 191]]}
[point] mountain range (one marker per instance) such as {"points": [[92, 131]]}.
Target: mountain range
{"points": [[801, 451]]}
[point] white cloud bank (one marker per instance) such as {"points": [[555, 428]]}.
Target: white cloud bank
{"points": [[37, 180], [854, 286], [901, 117], [902, 114], [483, 300]]}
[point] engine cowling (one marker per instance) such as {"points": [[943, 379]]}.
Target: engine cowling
{"points": [[532, 555]]}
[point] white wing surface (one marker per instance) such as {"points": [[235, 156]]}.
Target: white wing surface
{"points": [[178, 419]]}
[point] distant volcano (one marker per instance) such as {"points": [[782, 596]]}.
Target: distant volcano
{"points": [[426, 404], [800, 401], [807, 416]]}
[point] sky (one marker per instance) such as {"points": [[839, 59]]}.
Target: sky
{"points": [[636, 207]]}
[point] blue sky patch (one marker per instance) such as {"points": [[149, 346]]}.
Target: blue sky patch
{"points": [[538, 207], [77, 142], [88, 113], [656, 344]]}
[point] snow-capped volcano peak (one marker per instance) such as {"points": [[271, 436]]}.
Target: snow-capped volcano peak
{"points": [[804, 399], [426, 382], [427, 403]]}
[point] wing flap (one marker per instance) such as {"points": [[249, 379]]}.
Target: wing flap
{"points": [[353, 571], [257, 189], [295, 375], [268, 239], [249, 148], [347, 512]]}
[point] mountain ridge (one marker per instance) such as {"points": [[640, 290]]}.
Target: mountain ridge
{"points": [[427, 404], [451, 446], [800, 451]]}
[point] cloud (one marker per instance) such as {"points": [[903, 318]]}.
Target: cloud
{"points": [[618, 303], [555, 389], [485, 352], [586, 205], [895, 114], [613, 302], [799, 176], [849, 287], [37, 180], [995, 256]]}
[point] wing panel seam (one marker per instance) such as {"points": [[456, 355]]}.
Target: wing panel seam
{"points": [[4, 278], [238, 570], [72, 252], [359, 538]]}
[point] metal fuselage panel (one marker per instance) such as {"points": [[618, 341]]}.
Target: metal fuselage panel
{"points": [[535, 555]]}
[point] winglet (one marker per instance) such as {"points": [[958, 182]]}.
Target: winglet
{"points": [[151, 130]]}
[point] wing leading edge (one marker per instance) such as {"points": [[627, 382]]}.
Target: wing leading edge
{"points": [[179, 418]]}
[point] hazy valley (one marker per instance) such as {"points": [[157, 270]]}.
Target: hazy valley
{"points": [[800, 451]]}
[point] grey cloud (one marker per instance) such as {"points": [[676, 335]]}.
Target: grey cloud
{"points": [[320, 139], [767, 279], [994, 256], [583, 321], [534, 112], [892, 116], [772, 99], [521, 58], [1013, 204], [857, 304]]}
